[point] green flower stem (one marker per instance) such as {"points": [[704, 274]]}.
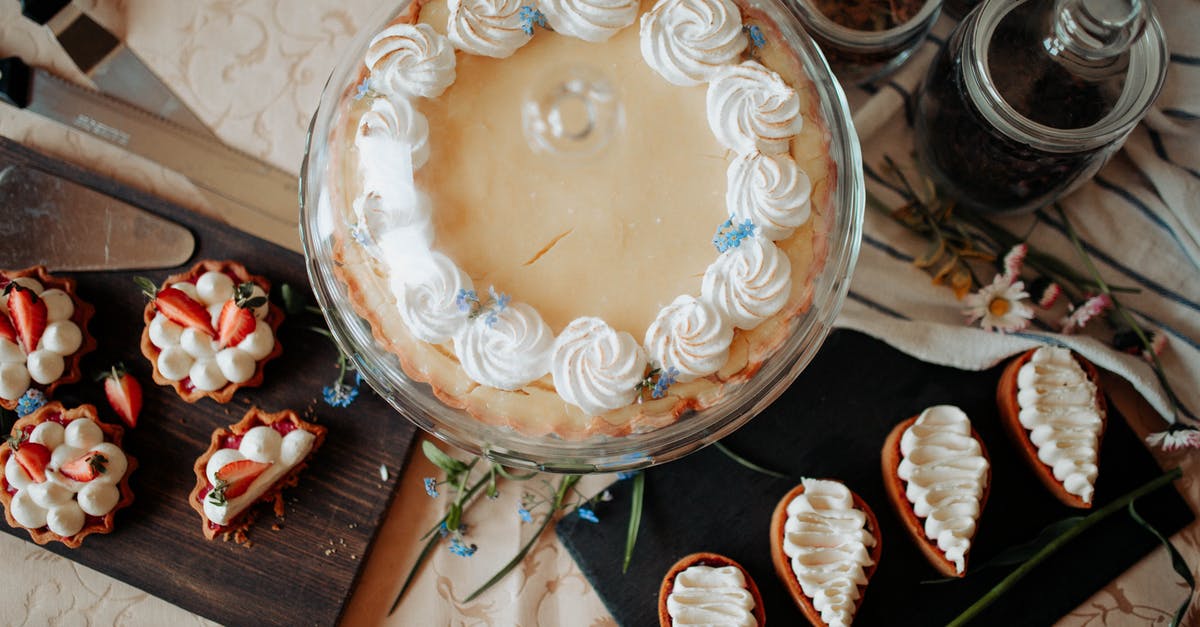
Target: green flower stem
{"points": [[1054, 545], [1159, 371], [635, 517], [747, 463], [564, 488]]}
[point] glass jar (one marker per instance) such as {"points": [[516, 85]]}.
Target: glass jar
{"points": [[1030, 99], [857, 52]]}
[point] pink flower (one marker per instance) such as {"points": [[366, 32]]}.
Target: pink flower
{"points": [[1049, 296], [1177, 437], [1014, 261], [998, 306], [1078, 317], [1158, 344]]}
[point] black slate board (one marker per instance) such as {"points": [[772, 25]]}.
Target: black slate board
{"points": [[300, 574], [832, 423]]}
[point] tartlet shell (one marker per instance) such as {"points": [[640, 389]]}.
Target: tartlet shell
{"points": [[706, 559], [83, 314], [894, 486], [783, 566], [274, 318], [253, 418], [112, 433], [1010, 412]]}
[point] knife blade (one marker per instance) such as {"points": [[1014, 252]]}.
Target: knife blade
{"points": [[113, 67], [66, 226], [245, 191]]}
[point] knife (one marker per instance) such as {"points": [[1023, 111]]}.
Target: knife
{"points": [[115, 69], [66, 226], [243, 190]]}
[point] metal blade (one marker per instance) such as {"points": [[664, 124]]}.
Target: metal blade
{"points": [[256, 190], [60, 224], [116, 70]]}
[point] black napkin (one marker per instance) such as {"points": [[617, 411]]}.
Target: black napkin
{"points": [[832, 423]]}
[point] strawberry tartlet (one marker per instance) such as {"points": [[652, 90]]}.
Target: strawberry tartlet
{"points": [[65, 474], [248, 463], [210, 330], [43, 333]]}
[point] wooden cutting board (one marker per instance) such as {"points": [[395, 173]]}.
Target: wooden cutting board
{"points": [[299, 574], [832, 423]]}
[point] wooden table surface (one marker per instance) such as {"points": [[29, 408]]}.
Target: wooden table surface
{"points": [[253, 70]]}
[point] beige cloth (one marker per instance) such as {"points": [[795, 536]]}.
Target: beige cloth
{"points": [[253, 70]]}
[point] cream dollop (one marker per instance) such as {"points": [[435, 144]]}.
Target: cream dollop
{"points": [[1059, 408], [826, 538], [396, 225], [590, 20], [260, 444], [392, 142], [410, 60], [491, 28], [751, 109], [704, 595], [47, 362], [507, 351], [770, 190], [688, 41], [596, 367], [691, 336], [427, 297], [946, 477], [748, 283]]}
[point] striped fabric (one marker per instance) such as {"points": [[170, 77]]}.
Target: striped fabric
{"points": [[1139, 219]]}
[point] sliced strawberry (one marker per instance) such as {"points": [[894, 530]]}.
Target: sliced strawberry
{"points": [[234, 478], [234, 324], [86, 467], [34, 458], [7, 331], [124, 394], [179, 308], [28, 314]]}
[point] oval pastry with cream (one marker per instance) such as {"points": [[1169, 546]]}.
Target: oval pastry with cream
{"points": [[709, 589], [1052, 407], [937, 475], [825, 545]]}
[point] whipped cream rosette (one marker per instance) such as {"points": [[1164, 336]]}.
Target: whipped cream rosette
{"points": [[411, 60], [492, 28]]}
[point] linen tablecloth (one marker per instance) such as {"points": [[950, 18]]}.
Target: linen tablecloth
{"points": [[253, 70]]}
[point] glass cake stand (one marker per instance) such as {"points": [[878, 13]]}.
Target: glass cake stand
{"points": [[695, 429]]}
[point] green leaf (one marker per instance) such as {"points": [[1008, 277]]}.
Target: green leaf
{"points": [[635, 517], [294, 301], [450, 465], [515, 477], [747, 463], [453, 517], [1177, 562], [146, 285]]}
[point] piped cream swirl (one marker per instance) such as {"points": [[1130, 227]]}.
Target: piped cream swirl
{"points": [[688, 41], [507, 351], [826, 538], [426, 297], [947, 475], [590, 20], [770, 190], [596, 367], [751, 109], [491, 28], [748, 283], [392, 142], [1059, 408], [691, 336], [410, 60], [704, 595]]}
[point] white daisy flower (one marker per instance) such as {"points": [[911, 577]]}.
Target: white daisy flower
{"points": [[999, 306], [1175, 438]]}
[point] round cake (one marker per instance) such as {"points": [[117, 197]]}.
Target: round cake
{"points": [[578, 217]]}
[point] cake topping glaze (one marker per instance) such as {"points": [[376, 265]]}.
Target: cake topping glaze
{"points": [[590, 20], [410, 60], [691, 336], [596, 367], [704, 595], [688, 41], [771, 191], [826, 538], [751, 109], [749, 283], [492, 28], [1059, 408], [946, 476]]}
